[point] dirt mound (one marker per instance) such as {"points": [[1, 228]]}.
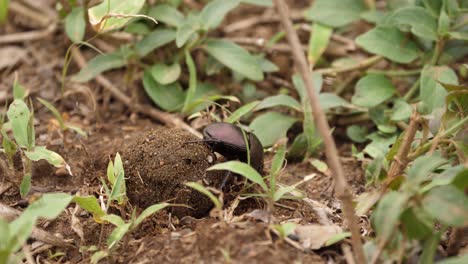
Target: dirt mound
{"points": [[159, 163]]}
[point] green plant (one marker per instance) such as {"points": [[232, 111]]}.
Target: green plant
{"points": [[64, 126]]}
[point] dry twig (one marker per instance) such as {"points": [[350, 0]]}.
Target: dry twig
{"points": [[341, 187], [28, 36]]}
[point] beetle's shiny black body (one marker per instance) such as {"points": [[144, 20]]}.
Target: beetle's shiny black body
{"points": [[228, 140]]}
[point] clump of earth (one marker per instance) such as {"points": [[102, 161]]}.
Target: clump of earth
{"points": [[158, 164]]}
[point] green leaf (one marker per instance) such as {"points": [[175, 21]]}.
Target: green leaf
{"points": [[148, 212], [242, 169], [234, 57], [54, 111], [245, 109], [422, 167], [206, 192], [99, 64], [25, 185], [41, 152], [401, 110], [458, 35], [266, 65], [271, 126], [19, 115], [154, 40], [117, 234], [331, 100], [100, 16], [19, 92], [432, 93], [386, 215], [418, 225], [279, 100], [187, 29], [165, 74], [75, 24], [276, 166], [357, 133], [169, 97], [447, 204], [98, 255], [444, 23], [372, 90], [337, 238], [415, 19], [335, 13], [214, 12], [265, 3], [390, 43], [455, 260], [114, 219], [192, 89], [90, 204], [282, 191], [4, 10], [167, 14], [49, 206], [430, 247], [318, 42]]}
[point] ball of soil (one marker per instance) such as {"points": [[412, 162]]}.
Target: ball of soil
{"points": [[159, 163]]}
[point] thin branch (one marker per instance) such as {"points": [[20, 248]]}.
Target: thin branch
{"points": [[166, 118], [341, 187], [28, 36], [362, 64]]}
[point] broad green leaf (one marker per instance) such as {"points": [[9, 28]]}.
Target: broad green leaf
{"points": [[390, 43], [242, 169], [386, 215], [372, 90], [357, 133], [192, 89], [318, 42], [214, 12], [49, 206], [379, 146], [148, 212], [4, 10], [401, 110], [19, 115], [54, 111], [169, 97], [25, 185], [167, 14], [113, 14], [266, 65], [41, 152], [416, 222], [114, 219], [459, 35], [154, 40], [415, 19], [75, 24], [99, 64], [457, 176], [447, 204], [271, 126], [279, 100], [444, 23], [205, 192], [234, 57], [335, 13], [331, 100], [258, 2], [187, 29], [117, 234], [165, 74], [90, 204], [432, 93], [138, 28], [243, 110], [422, 167]]}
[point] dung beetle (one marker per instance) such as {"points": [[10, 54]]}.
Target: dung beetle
{"points": [[228, 140]]}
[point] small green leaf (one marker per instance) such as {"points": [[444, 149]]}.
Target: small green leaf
{"points": [[25, 185], [214, 12], [372, 90], [422, 167], [148, 212], [243, 110], [19, 92], [154, 40], [337, 238], [331, 100], [165, 74], [390, 43], [169, 97], [417, 223], [90, 204], [187, 29], [99, 64], [447, 204], [206, 192], [75, 25], [417, 19], [101, 16], [117, 234], [41, 152], [386, 215], [271, 126], [242, 169], [279, 100], [401, 110], [167, 14], [335, 13], [234, 57], [432, 93], [19, 115], [318, 42], [357, 133]]}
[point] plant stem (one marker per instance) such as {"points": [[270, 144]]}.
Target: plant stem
{"points": [[363, 64], [341, 185], [437, 51], [412, 90]]}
